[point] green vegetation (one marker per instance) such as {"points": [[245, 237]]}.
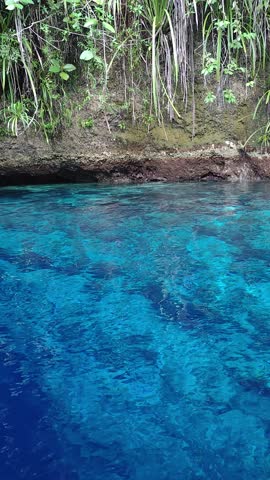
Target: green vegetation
{"points": [[89, 123], [48, 48]]}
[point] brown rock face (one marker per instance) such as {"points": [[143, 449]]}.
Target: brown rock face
{"points": [[22, 163]]}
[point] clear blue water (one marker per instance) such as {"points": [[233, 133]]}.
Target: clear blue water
{"points": [[135, 332]]}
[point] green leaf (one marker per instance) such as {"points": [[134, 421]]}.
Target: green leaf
{"points": [[55, 68], [13, 3], [98, 2], [69, 67], [64, 76], [108, 27], [87, 55], [27, 2], [98, 60], [91, 22]]}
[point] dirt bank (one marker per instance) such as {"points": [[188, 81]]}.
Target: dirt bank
{"points": [[114, 150]]}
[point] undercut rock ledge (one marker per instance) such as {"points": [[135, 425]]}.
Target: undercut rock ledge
{"points": [[29, 164]]}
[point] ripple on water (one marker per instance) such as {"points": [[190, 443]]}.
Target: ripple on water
{"points": [[134, 332]]}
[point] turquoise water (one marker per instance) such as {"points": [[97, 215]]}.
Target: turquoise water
{"points": [[135, 332]]}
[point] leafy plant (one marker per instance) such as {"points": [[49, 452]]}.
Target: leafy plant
{"points": [[88, 123], [91, 55], [210, 97], [210, 65], [61, 70], [229, 96], [122, 125], [17, 4], [17, 116], [233, 68]]}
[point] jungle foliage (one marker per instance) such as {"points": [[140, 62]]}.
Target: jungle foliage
{"points": [[49, 46]]}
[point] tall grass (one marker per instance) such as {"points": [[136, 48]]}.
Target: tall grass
{"points": [[176, 41]]}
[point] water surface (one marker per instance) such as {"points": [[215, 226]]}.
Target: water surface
{"points": [[135, 332]]}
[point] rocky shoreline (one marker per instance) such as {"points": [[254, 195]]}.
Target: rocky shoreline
{"points": [[26, 163]]}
